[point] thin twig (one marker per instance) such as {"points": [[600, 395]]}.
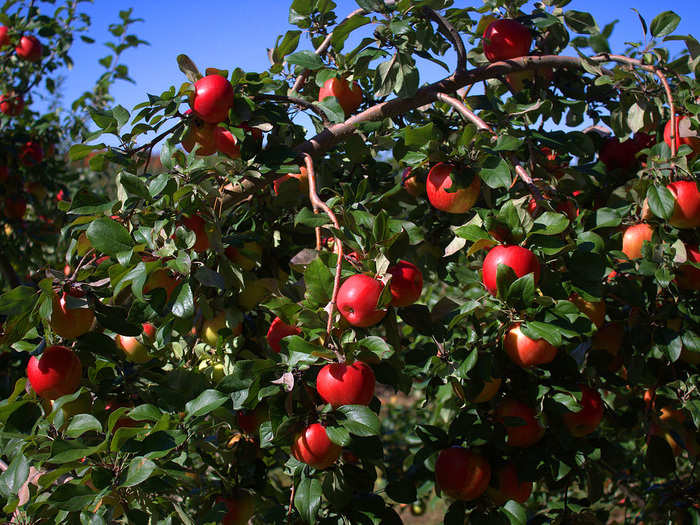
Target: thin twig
{"points": [[447, 29], [296, 101], [318, 204], [322, 49], [669, 96]]}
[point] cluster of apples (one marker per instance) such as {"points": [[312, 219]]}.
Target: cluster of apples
{"points": [[28, 48]]}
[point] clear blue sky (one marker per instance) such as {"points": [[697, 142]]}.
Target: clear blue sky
{"points": [[228, 34]]}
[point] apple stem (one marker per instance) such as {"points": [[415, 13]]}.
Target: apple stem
{"points": [[319, 204], [322, 49]]}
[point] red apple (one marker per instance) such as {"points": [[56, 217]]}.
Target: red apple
{"points": [[226, 143], [357, 300], [462, 474], [526, 352], [505, 39], [689, 276], [528, 431], [587, 419], [56, 374], [11, 104], [633, 239], [279, 330], [510, 486], [489, 391], [521, 260], [686, 213], [406, 283], [239, 509], [302, 177], [4, 37], [411, 183], [684, 135], [15, 207], [62, 195], [196, 224], [341, 384], [135, 350], [31, 154], [348, 97], [459, 201], [123, 422], [313, 447], [161, 279], [256, 133], [620, 155], [250, 420], [70, 323], [200, 133], [29, 48], [213, 98]]}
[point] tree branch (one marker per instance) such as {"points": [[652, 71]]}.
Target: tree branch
{"points": [[447, 29], [296, 101]]}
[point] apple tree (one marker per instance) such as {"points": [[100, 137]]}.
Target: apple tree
{"points": [[475, 298]]}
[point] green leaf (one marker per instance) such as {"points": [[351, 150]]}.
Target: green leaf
{"points": [[538, 330], [134, 185], [661, 201], [581, 22], [508, 143], [82, 423], [360, 420], [338, 435], [109, 237], [140, 469], [550, 223], [319, 282], [342, 30], [471, 232], [377, 346], [505, 276], [402, 490], [515, 512], [17, 301], [184, 302], [80, 151], [418, 136], [306, 59], [307, 499], [289, 44], [14, 477], [664, 24], [188, 68], [495, 173], [204, 403], [332, 108], [522, 290], [311, 219]]}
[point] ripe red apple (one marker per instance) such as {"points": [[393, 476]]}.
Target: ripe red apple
{"points": [[633, 239], [594, 310], [161, 279], [123, 422], [348, 97], [226, 143], [239, 509], [29, 48], [686, 213], [62, 195], [211, 327], [528, 431], [587, 419], [439, 181], [491, 388], [70, 323], [342, 384], [15, 207], [313, 447], [250, 420], [4, 36], [411, 183], [505, 39], [510, 486], [56, 374], [406, 283], [279, 330], [689, 276], [31, 154], [213, 98], [684, 135], [461, 473], [357, 300], [11, 104], [521, 260], [198, 225], [620, 155], [526, 352], [135, 350]]}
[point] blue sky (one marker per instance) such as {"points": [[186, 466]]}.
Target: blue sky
{"points": [[228, 34]]}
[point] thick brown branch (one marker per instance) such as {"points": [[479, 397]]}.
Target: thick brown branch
{"points": [[297, 102], [322, 49], [451, 33]]}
